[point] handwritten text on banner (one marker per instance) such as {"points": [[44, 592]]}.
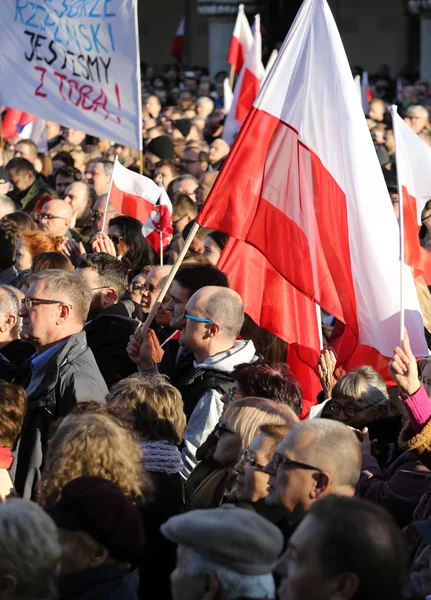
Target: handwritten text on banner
{"points": [[75, 62]]}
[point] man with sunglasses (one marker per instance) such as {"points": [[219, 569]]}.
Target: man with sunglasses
{"points": [[213, 318], [63, 370], [150, 291], [316, 458]]}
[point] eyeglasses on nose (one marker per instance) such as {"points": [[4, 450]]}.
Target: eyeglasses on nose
{"points": [[278, 460], [246, 459], [28, 303], [116, 239], [148, 287], [201, 320], [48, 216], [221, 430], [349, 411]]}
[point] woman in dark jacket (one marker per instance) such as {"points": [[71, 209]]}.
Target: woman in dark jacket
{"points": [[155, 410]]}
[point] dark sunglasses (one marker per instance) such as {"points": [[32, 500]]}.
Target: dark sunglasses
{"points": [[116, 239], [148, 287], [278, 459]]}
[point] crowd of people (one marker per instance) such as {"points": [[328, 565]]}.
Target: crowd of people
{"points": [[172, 462]]}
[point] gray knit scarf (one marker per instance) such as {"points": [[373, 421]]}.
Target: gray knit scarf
{"points": [[162, 457]]}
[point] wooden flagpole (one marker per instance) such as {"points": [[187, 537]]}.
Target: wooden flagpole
{"points": [[232, 76]]}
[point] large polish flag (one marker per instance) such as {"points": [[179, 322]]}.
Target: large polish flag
{"points": [[247, 87], [303, 185], [132, 194], [157, 229], [413, 160], [275, 305], [242, 40]]}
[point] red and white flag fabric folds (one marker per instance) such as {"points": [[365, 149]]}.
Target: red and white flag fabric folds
{"points": [[242, 40], [303, 185], [247, 87], [132, 194], [413, 160], [14, 122], [275, 305], [177, 48], [158, 226]]}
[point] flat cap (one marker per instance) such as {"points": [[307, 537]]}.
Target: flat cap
{"points": [[238, 539], [162, 147]]}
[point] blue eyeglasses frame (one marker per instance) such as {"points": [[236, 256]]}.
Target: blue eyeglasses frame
{"points": [[201, 320]]}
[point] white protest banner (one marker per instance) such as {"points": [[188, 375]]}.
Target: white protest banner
{"points": [[75, 62]]}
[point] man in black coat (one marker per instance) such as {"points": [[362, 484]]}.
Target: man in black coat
{"points": [[110, 323]]}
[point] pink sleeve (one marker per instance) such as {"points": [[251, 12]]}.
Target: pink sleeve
{"points": [[419, 408]]}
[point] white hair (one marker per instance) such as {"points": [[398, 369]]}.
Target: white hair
{"points": [[418, 109], [29, 549], [7, 204], [10, 303], [234, 584]]}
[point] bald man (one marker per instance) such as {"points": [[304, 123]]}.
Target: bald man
{"points": [[219, 150], [315, 459], [55, 217], [213, 318]]}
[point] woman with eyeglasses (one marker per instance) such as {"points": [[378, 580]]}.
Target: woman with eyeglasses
{"points": [[251, 481], [126, 235], [394, 479], [238, 426]]}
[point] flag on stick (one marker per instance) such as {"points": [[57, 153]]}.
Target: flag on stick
{"points": [[242, 40], [303, 185], [413, 160], [132, 194], [157, 229], [246, 88]]}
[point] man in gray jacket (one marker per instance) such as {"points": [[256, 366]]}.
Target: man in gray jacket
{"points": [[63, 370]]}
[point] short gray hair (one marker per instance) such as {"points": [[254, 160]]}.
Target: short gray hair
{"points": [[186, 177], [10, 303], [332, 447], [29, 549], [70, 287], [227, 309], [418, 109], [234, 584], [362, 384]]}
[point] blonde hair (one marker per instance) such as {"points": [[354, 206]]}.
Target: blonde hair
{"points": [[155, 404], [362, 384], [29, 549], [246, 416], [93, 444]]}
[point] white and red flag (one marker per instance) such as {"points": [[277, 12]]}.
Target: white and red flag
{"points": [[20, 124], [275, 305], [247, 87], [177, 48], [303, 185], [242, 40], [158, 226], [413, 160], [132, 194]]}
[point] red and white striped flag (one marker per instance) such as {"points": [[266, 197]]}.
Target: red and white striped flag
{"points": [[241, 42], [275, 305], [132, 195], [247, 87], [177, 48], [303, 185], [158, 226], [413, 160]]}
